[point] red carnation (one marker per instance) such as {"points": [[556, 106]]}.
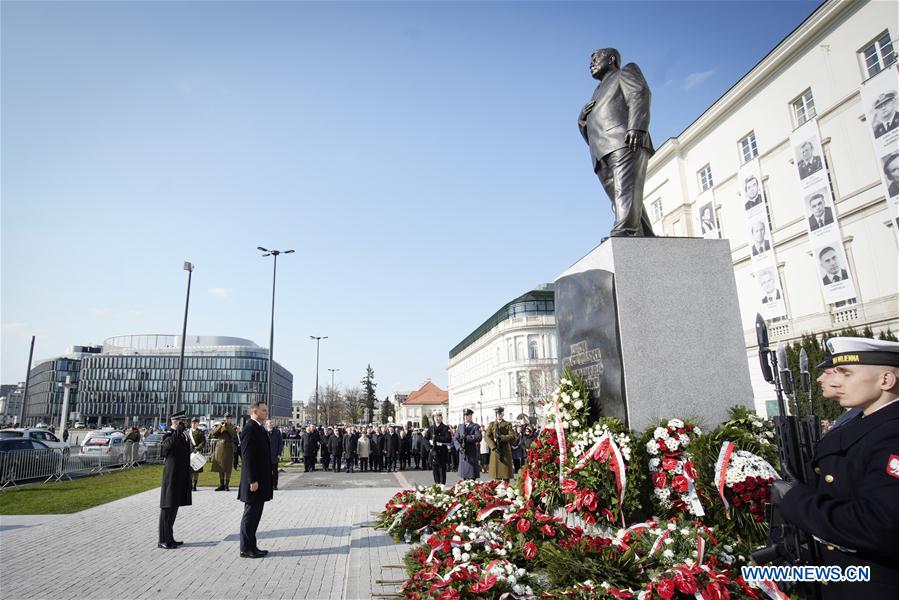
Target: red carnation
{"points": [[548, 531], [665, 589], [569, 486], [659, 479], [523, 525], [530, 550], [669, 464], [680, 483]]}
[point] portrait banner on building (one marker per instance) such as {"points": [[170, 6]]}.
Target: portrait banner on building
{"points": [[761, 244], [880, 98], [706, 215], [821, 215]]}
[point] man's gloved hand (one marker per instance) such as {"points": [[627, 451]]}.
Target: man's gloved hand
{"points": [[781, 488]]}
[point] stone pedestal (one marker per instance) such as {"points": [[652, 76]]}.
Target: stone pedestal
{"points": [[653, 325]]}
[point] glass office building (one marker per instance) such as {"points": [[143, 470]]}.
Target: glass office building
{"points": [[43, 402], [135, 376]]}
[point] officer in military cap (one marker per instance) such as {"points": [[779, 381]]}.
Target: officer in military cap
{"points": [[886, 118], [175, 491], [500, 436], [440, 437], [850, 506], [225, 434]]}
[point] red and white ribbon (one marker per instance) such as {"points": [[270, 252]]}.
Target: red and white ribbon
{"points": [[659, 541], [771, 590], [619, 469], [453, 509], [486, 512], [700, 548], [397, 519], [721, 465], [527, 485]]}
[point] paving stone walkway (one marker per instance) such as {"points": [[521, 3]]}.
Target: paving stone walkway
{"points": [[316, 529]]}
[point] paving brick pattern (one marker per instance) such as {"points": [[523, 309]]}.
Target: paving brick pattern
{"points": [[316, 529]]}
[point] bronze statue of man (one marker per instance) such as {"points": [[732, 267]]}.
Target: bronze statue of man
{"points": [[615, 125]]}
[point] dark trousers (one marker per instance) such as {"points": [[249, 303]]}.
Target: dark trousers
{"points": [[275, 475], [417, 458], [166, 523], [337, 460], [622, 174], [391, 463], [363, 464], [326, 462], [375, 462], [439, 466], [294, 452], [249, 523], [425, 460], [308, 463], [349, 464]]}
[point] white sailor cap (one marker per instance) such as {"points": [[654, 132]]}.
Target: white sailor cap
{"points": [[860, 351]]}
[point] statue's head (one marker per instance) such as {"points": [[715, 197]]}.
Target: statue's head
{"points": [[604, 61]]}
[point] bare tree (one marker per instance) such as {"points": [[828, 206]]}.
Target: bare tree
{"points": [[332, 406], [352, 402]]}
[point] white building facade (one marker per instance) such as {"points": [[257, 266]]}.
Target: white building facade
{"points": [[510, 360], [814, 92]]}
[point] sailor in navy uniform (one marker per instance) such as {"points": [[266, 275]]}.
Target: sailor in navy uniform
{"points": [[851, 505]]}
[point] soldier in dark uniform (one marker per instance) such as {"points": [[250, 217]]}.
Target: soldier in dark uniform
{"points": [[850, 506], [175, 490], [468, 442], [440, 437]]}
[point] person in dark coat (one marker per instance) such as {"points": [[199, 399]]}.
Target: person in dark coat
{"points": [[468, 442], [335, 444], [850, 503], [416, 448], [255, 478], [375, 443], [175, 491], [439, 435], [310, 448], [424, 451], [393, 447], [276, 441], [404, 449], [350, 442], [293, 438], [326, 449]]}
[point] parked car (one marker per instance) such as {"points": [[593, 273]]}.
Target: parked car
{"points": [[39, 435], [24, 458], [111, 445]]}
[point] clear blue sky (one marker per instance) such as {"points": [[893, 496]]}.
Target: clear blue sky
{"points": [[421, 158]]}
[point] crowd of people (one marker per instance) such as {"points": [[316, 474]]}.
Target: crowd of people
{"points": [[387, 448]]}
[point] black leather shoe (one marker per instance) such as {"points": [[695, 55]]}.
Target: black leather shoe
{"points": [[177, 543], [220, 488], [252, 554], [166, 546], [262, 552]]}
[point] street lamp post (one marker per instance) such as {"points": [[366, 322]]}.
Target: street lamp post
{"points": [[271, 332], [481, 406], [190, 271], [318, 339], [64, 414], [332, 391]]}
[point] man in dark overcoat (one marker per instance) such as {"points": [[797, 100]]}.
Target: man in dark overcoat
{"points": [[255, 478], [335, 444], [468, 442], [276, 441], [393, 448], [310, 448], [850, 503], [326, 449], [175, 491], [439, 435], [350, 441], [377, 441]]}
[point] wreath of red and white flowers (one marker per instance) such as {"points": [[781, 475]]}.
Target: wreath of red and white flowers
{"points": [[671, 467]]}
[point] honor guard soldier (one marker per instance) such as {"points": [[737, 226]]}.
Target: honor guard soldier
{"points": [[198, 442], [468, 442], [440, 437], [500, 436], [225, 434], [175, 490], [851, 506]]}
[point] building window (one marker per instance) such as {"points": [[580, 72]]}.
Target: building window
{"points": [[748, 147], [532, 349], [705, 178], [657, 211], [803, 107], [877, 55]]}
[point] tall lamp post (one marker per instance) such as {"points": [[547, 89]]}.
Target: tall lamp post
{"points": [[481, 406], [271, 331], [318, 339], [332, 389], [190, 271]]}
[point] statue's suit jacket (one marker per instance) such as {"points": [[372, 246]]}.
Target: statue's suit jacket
{"points": [[621, 103]]}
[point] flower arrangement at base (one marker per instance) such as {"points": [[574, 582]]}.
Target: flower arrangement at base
{"points": [[409, 513], [672, 469], [603, 483], [539, 480]]}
